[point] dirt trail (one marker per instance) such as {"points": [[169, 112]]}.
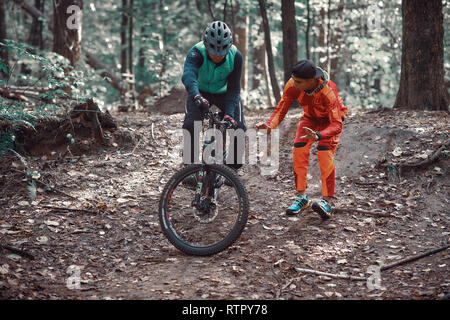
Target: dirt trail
{"points": [[120, 253]]}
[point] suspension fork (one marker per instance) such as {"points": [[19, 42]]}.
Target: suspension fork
{"points": [[205, 186]]}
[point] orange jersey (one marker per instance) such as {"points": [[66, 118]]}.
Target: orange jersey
{"points": [[325, 106]]}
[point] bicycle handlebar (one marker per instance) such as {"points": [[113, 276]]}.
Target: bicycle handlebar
{"points": [[212, 118]]}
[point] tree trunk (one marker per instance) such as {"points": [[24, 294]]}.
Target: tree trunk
{"points": [[335, 49], [130, 39], [3, 50], [273, 78], [211, 10], [308, 27], [123, 38], [224, 12], [259, 61], [242, 41], [422, 75], [162, 46], [35, 38], [267, 82], [290, 52], [328, 44], [141, 54], [323, 35], [67, 29]]}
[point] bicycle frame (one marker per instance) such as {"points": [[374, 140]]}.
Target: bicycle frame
{"points": [[205, 179], [204, 223]]}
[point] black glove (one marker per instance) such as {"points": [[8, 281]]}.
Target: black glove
{"points": [[231, 123], [202, 104]]}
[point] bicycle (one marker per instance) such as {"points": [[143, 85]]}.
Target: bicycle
{"points": [[209, 217]]}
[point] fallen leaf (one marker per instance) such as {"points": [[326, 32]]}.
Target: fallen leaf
{"points": [[72, 173], [14, 257], [51, 223], [42, 239], [422, 156], [397, 152], [4, 269]]}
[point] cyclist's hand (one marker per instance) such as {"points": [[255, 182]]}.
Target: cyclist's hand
{"points": [[202, 104], [263, 126], [309, 134], [231, 123]]}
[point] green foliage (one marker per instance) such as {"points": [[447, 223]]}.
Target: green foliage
{"points": [[368, 65], [6, 142], [12, 117], [3, 68], [49, 71]]}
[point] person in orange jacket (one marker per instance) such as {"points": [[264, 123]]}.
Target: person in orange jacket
{"points": [[321, 121]]}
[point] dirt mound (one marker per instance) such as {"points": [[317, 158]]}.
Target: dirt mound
{"points": [[172, 103], [86, 130]]}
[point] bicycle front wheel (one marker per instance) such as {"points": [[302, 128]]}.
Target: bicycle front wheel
{"points": [[203, 209]]}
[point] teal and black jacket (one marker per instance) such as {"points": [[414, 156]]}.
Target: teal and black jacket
{"points": [[201, 75]]}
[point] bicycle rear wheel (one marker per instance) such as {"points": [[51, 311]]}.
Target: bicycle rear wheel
{"points": [[203, 218]]}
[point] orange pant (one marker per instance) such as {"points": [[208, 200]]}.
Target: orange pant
{"points": [[326, 149]]}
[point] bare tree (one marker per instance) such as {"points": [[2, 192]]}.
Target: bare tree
{"points": [[3, 50]]}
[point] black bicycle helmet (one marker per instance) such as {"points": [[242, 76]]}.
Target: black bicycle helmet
{"points": [[218, 38]]}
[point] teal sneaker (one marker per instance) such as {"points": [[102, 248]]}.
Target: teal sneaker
{"points": [[323, 208], [298, 205]]}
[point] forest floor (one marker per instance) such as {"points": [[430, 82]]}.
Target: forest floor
{"points": [[113, 244]]}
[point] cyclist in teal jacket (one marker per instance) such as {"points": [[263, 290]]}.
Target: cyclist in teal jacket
{"points": [[212, 75]]}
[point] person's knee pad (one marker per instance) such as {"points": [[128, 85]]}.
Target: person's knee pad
{"points": [[299, 144], [323, 148]]}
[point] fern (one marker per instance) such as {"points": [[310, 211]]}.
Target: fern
{"points": [[6, 142], [3, 67], [53, 72]]}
